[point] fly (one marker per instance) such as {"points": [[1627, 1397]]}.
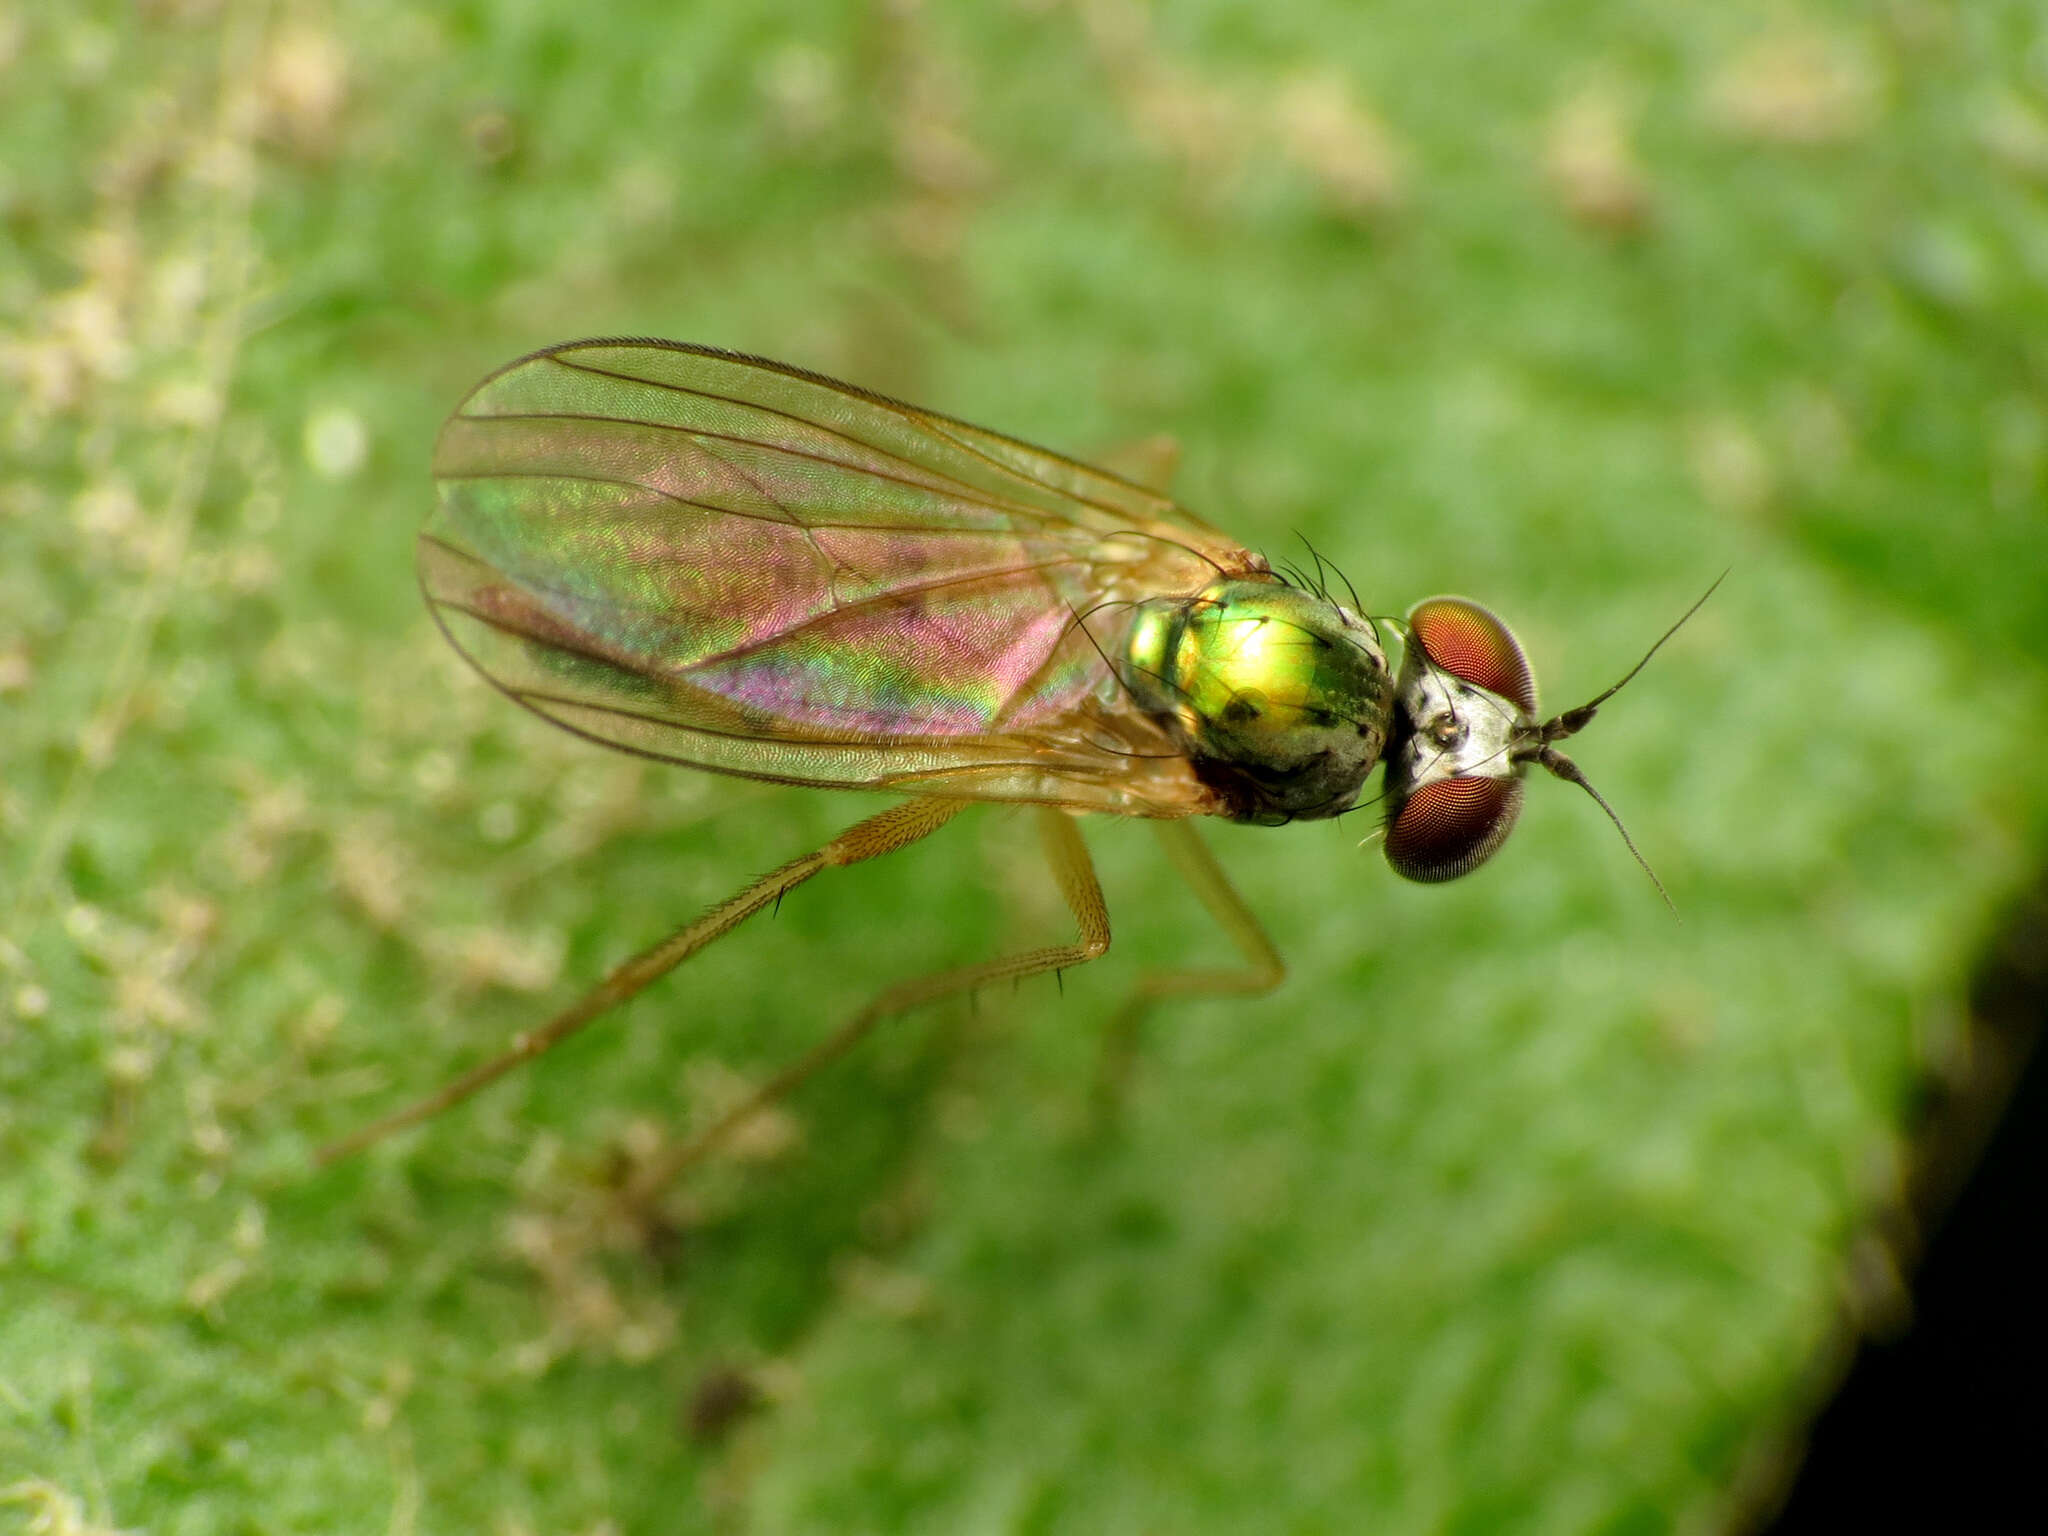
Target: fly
{"points": [[725, 562]]}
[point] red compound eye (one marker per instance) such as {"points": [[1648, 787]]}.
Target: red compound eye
{"points": [[1466, 641], [1451, 827]]}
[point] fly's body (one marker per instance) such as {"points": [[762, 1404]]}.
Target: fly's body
{"points": [[734, 565]]}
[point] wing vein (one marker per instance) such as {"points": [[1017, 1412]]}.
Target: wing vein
{"points": [[936, 480], [915, 419], [879, 600]]}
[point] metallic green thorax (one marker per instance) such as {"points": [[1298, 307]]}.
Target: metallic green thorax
{"points": [[1279, 698]]}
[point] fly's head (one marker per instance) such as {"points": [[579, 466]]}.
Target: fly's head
{"points": [[1464, 716], [1465, 732]]}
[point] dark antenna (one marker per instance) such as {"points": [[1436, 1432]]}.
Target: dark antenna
{"points": [[1569, 771], [1573, 721], [1539, 747]]}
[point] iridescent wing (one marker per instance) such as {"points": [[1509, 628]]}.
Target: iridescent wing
{"points": [[724, 562]]}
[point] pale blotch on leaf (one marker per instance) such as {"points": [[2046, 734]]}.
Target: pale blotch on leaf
{"points": [[799, 86], [565, 1246], [16, 671], [498, 822], [478, 956], [52, 1509], [1590, 165], [381, 1408], [107, 512], [191, 404], [130, 1065], [1801, 89], [2015, 133], [271, 813], [316, 1025], [251, 1230], [1948, 262], [643, 194], [713, 1089], [1818, 433], [901, 1294], [336, 442], [1729, 465], [371, 871], [303, 85], [1329, 133], [89, 51], [1175, 110], [435, 773], [147, 999]]}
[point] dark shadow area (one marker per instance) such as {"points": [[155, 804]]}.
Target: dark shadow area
{"points": [[1946, 1423]]}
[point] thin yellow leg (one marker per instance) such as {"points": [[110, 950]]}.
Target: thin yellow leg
{"points": [[897, 827], [1262, 972], [1074, 871]]}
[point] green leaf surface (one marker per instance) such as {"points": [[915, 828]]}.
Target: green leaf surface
{"points": [[1520, 1207]]}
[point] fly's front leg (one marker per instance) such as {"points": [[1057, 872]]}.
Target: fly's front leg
{"points": [[1262, 971], [1075, 873]]}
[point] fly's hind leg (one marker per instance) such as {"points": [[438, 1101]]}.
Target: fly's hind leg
{"points": [[897, 827], [1262, 971], [1074, 871]]}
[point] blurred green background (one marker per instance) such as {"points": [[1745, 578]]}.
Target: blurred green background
{"points": [[1521, 1206]]}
